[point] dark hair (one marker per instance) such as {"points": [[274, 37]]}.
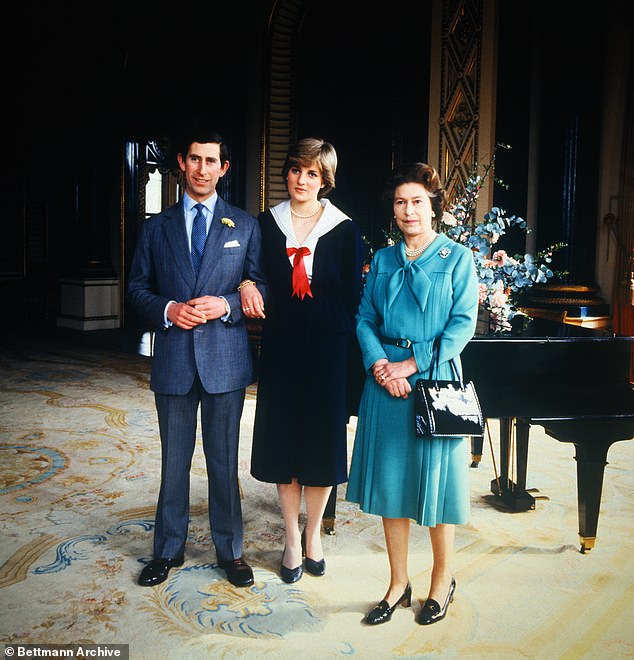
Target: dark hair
{"points": [[313, 150], [427, 177], [204, 137]]}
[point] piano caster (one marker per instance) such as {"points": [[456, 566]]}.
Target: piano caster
{"points": [[515, 499], [475, 460], [587, 543], [328, 526]]}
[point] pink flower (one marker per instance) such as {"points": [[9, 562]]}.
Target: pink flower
{"points": [[500, 256], [448, 219], [482, 293], [499, 299]]}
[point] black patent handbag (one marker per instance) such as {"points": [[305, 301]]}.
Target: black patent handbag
{"points": [[447, 408]]}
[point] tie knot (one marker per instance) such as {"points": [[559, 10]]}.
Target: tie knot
{"points": [[199, 207], [300, 252]]}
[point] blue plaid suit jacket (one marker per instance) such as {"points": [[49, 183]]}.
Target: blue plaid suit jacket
{"points": [[162, 270]]}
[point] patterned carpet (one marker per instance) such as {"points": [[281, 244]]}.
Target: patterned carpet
{"points": [[78, 484]]}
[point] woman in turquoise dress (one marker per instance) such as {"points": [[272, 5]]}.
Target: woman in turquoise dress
{"points": [[423, 289]]}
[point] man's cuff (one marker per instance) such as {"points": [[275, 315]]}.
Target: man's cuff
{"points": [[166, 322], [227, 314]]}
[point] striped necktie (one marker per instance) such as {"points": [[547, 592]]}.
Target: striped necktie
{"points": [[199, 236]]}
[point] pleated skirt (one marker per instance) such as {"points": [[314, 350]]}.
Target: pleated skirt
{"points": [[395, 474]]}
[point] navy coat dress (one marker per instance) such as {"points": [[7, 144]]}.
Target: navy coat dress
{"points": [[302, 411]]}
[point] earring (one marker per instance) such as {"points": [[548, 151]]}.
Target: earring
{"points": [[433, 214]]}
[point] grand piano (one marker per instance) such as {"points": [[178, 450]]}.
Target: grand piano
{"points": [[571, 380]]}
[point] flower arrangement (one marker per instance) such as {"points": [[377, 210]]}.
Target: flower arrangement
{"points": [[501, 277], [229, 222]]}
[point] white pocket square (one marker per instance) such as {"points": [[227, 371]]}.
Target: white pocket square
{"points": [[232, 244]]}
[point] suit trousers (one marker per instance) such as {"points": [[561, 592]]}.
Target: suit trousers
{"points": [[220, 421]]}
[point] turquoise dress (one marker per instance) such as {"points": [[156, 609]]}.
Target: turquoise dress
{"points": [[394, 473]]}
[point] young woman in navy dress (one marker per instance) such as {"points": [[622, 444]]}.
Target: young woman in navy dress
{"points": [[312, 257]]}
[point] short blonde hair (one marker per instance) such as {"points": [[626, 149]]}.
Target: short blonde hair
{"points": [[313, 150]]}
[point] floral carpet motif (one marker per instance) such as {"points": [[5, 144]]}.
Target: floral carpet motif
{"points": [[28, 466], [189, 603], [79, 470]]}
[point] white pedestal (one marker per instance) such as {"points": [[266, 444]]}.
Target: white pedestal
{"points": [[90, 303]]}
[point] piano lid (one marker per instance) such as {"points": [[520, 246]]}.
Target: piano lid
{"points": [[551, 370], [536, 329]]}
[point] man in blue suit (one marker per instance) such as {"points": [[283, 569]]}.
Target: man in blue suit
{"points": [[184, 278]]}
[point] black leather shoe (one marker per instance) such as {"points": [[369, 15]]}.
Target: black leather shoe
{"points": [[315, 567], [157, 570], [432, 611], [382, 613], [291, 575], [238, 572]]}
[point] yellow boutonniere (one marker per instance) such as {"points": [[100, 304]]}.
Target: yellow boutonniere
{"points": [[229, 222]]}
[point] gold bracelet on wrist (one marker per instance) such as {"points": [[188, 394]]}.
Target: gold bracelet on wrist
{"points": [[245, 283]]}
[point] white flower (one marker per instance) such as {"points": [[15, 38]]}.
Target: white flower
{"points": [[448, 219]]}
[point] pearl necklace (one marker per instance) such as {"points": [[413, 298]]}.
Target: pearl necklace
{"points": [[305, 217], [415, 252]]}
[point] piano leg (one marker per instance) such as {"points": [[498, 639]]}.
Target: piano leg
{"points": [[477, 442], [592, 440], [591, 460], [328, 519], [513, 495]]}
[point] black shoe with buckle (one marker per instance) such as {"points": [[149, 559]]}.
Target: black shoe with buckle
{"points": [[157, 570], [432, 612], [239, 573], [382, 613]]}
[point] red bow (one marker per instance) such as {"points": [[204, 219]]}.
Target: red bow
{"points": [[301, 286]]}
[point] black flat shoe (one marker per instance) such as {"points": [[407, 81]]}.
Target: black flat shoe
{"points": [[157, 570], [432, 611], [239, 573], [382, 613], [313, 567]]}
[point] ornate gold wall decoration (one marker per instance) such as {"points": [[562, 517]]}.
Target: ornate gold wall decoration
{"points": [[462, 92], [459, 90]]}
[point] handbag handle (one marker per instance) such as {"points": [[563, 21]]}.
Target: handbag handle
{"points": [[457, 373]]}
